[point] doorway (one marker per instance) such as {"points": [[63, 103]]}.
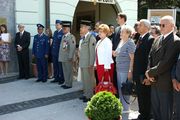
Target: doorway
{"points": [[106, 13]]}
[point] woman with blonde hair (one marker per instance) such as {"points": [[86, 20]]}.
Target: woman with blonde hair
{"points": [[104, 62]]}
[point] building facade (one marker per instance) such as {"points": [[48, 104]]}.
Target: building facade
{"points": [[31, 12]]}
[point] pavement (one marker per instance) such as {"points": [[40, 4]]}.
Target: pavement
{"points": [[29, 100]]}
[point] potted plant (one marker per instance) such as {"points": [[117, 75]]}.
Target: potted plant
{"points": [[104, 106]]}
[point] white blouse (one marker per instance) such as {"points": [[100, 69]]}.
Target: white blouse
{"points": [[104, 53]]}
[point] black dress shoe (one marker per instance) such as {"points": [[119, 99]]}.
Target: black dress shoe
{"points": [[44, 81], [67, 87], [38, 80], [60, 82], [82, 97], [63, 86], [20, 78], [86, 100]]}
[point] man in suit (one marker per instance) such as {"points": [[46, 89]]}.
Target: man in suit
{"points": [[140, 66], [86, 60], [162, 57], [40, 52], [22, 41], [66, 53], [121, 20], [58, 70], [176, 85]]}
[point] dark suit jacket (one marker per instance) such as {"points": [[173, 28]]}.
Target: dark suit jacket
{"points": [[161, 58], [24, 41], [116, 37], [141, 55]]}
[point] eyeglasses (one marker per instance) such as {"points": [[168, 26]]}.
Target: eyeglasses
{"points": [[162, 25]]}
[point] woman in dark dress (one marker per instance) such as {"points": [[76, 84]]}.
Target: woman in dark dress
{"points": [[50, 65]]}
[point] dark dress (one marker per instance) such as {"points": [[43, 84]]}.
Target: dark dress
{"points": [[50, 48]]}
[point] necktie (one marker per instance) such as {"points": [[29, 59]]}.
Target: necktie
{"points": [[139, 42], [161, 41], [21, 34]]}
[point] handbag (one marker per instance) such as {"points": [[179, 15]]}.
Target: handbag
{"points": [[128, 88], [105, 86]]}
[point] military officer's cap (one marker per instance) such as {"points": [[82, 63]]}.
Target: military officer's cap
{"points": [[86, 22], [66, 23], [58, 21], [40, 26]]}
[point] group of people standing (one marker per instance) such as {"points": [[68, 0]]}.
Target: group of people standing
{"points": [[58, 49], [149, 55]]}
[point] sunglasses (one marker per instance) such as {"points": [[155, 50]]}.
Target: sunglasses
{"points": [[162, 25]]}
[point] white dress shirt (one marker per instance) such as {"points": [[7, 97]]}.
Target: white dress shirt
{"points": [[104, 53]]}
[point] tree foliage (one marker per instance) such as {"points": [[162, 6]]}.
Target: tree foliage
{"points": [[144, 5]]}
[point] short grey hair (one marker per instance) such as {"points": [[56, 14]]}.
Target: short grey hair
{"points": [[169, 18], [129, 30], [146, 23], [21, 25]]}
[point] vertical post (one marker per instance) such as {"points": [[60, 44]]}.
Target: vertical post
{"points": [[47, 8]]}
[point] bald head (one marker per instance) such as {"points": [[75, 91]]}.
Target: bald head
{"points": [[167, 24], [169, 19]]}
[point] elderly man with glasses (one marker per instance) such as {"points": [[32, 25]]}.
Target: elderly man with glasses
{"points": [[162, 57]]}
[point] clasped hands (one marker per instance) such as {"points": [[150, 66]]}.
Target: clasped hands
{"points": [[19, 48], [148, 79]]}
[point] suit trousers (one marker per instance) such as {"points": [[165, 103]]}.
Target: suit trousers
{"points": [[42, 68], [176, 106], [89, 82], [162, 103], [144, 98], [68, 77], [58, 70], [23, 61]]}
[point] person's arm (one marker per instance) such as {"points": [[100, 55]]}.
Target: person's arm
{"points": [[131, 55], [174, 80], [131, 50], [92, 44], [173, 72], [107, 55], [33, 48], [15, 41], [47, 47], [27, 43], [72, 46]]}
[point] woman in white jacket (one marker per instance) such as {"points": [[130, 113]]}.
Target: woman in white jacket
{"points": [[104, 62]]}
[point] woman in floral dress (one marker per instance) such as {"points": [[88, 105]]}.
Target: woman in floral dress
{"points": [[4, 50]]}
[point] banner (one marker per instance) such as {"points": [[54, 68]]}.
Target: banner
{"points": [[101, 1]]}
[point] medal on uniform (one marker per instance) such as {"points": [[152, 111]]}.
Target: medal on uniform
{"points": [[65, 45]]}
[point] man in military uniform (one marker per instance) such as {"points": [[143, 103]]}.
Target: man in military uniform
{"points": [[40, 52], [86, 60], [66, 53], [58, 71]]}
